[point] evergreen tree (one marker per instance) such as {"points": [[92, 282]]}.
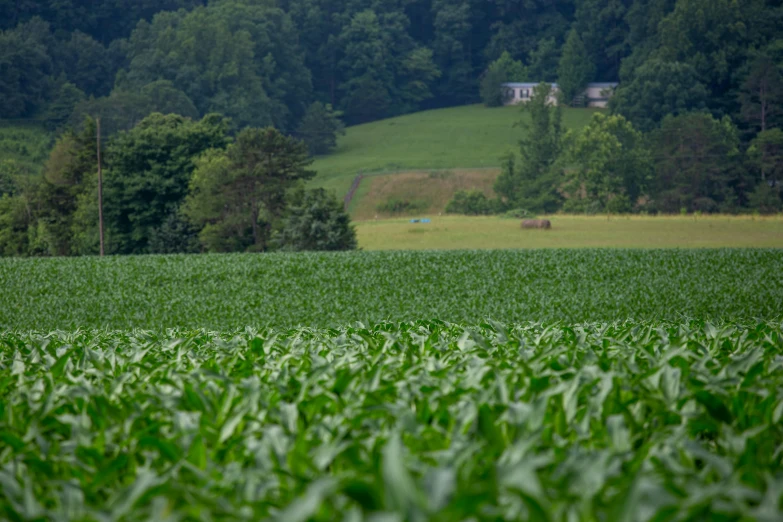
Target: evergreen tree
{"points": [[761, 94], [659, 89], [576, 68], [316, 220], [544, 61], [238, 195], [533, 184], [504, 69], [319, 128]]}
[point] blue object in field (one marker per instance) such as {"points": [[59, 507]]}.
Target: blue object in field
{"points": [[414, 220], [425, 220]]}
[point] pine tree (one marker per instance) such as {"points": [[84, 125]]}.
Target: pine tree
{"points": [[576, 68]]}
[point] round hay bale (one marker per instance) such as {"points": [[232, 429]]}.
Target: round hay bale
{"points": [[537, 223]]}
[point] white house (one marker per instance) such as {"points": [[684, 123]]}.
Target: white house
{"points": [[596, 94]]}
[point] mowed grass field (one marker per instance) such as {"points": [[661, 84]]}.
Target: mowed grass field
{"points": [[447, 232], [466, 137]]}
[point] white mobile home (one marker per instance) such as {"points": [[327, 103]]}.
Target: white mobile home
{"points": [[595, 95]]}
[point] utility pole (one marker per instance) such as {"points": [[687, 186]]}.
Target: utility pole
{"points": [[100, 183]]}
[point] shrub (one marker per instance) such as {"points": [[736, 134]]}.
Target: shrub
{"points": [[402, 206], [471, 203]]}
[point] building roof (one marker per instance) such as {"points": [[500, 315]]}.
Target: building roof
{"points": [[530, 85], [524, 85]]}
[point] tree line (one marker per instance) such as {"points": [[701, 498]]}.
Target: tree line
{"points": [[688, 162], [173, 185], [265, 62], [697, 115]]}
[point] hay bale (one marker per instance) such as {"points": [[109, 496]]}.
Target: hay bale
{"points": [[537, 223]]}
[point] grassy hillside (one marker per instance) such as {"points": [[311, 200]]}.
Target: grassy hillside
{"points": [[415, 193], [24, 148], [462, 232], [461, 137]]}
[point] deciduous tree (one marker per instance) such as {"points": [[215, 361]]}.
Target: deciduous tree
{"points": [[237, 196]]}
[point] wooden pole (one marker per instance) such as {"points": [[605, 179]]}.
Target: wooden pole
{"points": [[100, 184]]}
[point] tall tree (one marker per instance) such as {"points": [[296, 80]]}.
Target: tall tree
{"points": [[761, 94], [659, 89], [698, 164], [533, 184], [766, 157], [453, 53], [54, 200], [316, 220], [575, 69], [25, 66], [319, 128], [603, 27], [504, 69], [544, 60], [608, 166], [148, 172], [711, 36], [237, 196], [239, 58]]}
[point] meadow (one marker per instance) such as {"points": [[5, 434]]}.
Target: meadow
{"points": [[465, 137], [449, 232]]}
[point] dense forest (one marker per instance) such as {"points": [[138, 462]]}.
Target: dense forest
{"points": [[303, 67]]}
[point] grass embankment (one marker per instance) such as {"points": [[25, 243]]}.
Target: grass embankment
{"points": [[423, 192], [466, 137], [463, 232]]}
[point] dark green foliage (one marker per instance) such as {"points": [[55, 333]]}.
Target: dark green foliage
{"points": [[237, 58], [316, 220], [385, 71], [25, 66], [659, 89], [504, 69], [148, 171], [66, 96], [175, 236], [544, 60], [452, 23], [608, 167], [761, 95], [533, 183], [575, 69], [471, 203], [239, 195], [698, 164], [319, 128], [86, 63], [125, 108]]}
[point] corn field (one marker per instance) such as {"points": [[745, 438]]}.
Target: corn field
{"points": [[625, 402]]}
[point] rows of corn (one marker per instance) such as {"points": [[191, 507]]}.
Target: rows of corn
{"points": [[396, 421], [224, 292]]}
